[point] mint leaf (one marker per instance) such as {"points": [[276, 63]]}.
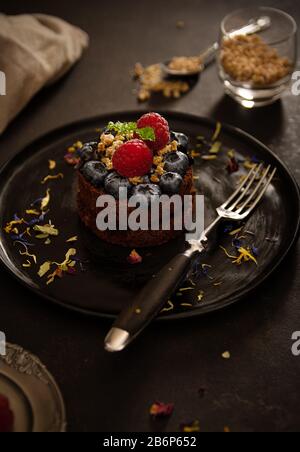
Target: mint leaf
{"points": [[146, 134], [124, 128]]}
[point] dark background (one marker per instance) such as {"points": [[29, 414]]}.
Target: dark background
{"points": [[258, 389]]}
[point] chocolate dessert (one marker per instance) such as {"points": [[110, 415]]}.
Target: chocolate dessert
{"points": [[146, 159]]}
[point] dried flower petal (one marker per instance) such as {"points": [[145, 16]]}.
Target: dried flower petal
{"points": [[232, 165], [248, 165], [236, 231], [245, 256], [191, 427], [71, 270], [20, 237], [237, 243], [44, 269], [10, 226], [169, 307], [185, 289], [205, 269], [45, 201], [134, 258], [52, 164], [227, 253], [194, 154], [36, 202], [209, 157], [50, 177], [32, 212], [217, 131], [26, 253], [228, 228], [200, 296], [47, 229], [57, 273], [67, 266], [71, 160], [159, 409], [72, 239], [216, 147], [71, 252]]}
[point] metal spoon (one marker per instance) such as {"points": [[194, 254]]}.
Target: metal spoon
{"points": [[254, 26]]}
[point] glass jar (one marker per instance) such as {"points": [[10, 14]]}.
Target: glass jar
{"points": [[257, 69]]}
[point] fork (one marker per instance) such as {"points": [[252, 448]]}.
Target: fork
{"points": [[155, 294]]}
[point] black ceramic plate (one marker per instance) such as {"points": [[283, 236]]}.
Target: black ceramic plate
{"points": [[108, 282]]}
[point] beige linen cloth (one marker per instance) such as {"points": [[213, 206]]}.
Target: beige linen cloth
{"points": [[35, 50]]}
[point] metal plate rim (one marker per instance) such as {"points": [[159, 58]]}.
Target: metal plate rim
{"points": [[50, 381]]}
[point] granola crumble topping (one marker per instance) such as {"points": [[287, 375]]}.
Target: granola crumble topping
{"points": [[107, 162], [185, 64], [109, 144], [172, 147], [157, 160], [250, 59], [154, 178], [160, 170], [135, 180]]}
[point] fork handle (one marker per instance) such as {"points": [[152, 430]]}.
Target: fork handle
{"points": [[148, 303]]}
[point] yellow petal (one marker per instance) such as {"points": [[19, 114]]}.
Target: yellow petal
{"points": [[52, 164]]}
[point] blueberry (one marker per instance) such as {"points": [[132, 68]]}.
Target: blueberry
{"points": [[182, 140], [87, 152], [113, 183], [95, 172], [88, 149], [146, 191], [92, 144], [170, 183], [177, 162]]}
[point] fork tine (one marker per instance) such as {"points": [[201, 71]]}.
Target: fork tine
{"points": [[255, 191], [245, 192], [261, 194], [240, 187]]}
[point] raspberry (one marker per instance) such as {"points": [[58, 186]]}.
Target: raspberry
{"points": [[133, 159], [6, 416], [161, 129]]}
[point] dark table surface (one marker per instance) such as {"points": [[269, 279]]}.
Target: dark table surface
{"points": [[258, 389]]}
